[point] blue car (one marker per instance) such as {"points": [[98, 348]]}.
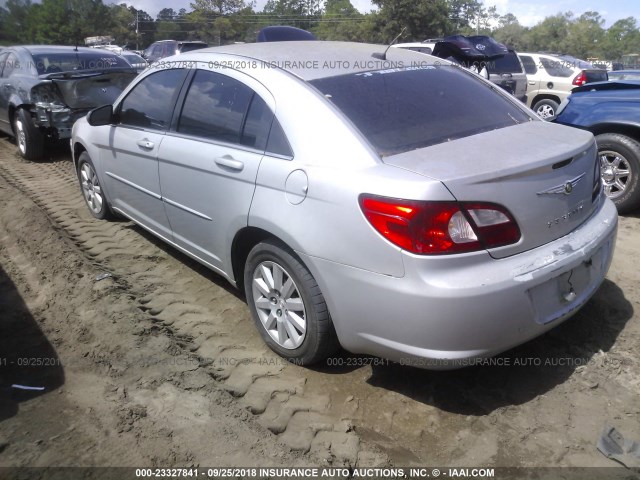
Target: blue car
{"points": [[611, 111]]}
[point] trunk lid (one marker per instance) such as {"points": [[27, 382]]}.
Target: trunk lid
{"points": [[525, 168], [91, 89]]}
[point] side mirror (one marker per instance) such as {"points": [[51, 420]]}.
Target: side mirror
{"points": [[101, 116]]}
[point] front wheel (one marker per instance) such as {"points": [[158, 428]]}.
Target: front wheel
{"points": [[91, 188], [546, 109], [287, 305], [620, 169], [29, 139]]}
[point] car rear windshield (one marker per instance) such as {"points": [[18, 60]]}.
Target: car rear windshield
{"points": [[188, 47], [597, 75], [72, 61], [507, 64], [399, 110]]}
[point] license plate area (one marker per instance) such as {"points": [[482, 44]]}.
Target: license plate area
{"points": [[562, 295]]}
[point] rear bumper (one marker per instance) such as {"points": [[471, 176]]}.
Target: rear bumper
{"points": [[447, 311]]}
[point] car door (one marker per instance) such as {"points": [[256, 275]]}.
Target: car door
{"points": [[209, 161], [130, 158]]}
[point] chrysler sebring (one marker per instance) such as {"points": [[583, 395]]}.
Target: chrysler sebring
{"points": [[388, 202]]}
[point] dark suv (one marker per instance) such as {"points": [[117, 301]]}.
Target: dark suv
{"points": [[166, 48], [508, 72]]}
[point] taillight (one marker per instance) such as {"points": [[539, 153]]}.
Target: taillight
{"points": [[597, 180], [438, 228], [580, 79]]}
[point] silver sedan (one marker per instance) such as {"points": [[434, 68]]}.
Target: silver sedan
{"points": [[390, 203]]}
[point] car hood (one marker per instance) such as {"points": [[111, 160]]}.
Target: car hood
{"points": [[524, 168]]}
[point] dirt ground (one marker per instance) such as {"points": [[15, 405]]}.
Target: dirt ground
{"points": [[159, 364]]}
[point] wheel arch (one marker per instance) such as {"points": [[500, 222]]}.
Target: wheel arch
{"points": [[545, 96], [631, 131], [244, 240], [13, 108], [78, 148]]}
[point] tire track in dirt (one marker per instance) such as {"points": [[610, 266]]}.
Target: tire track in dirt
{"points": [[198, 311]]}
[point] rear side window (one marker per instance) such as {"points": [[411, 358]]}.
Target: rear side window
{"points": [[215, 107], [399, 110], [556, 68], [150, 104], [529, 65], [506, 64]]}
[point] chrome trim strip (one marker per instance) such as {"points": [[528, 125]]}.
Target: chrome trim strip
{"points": [[187, 209], [131, 184]]}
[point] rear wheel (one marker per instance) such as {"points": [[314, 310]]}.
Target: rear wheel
{"points": [[620, 169], [287, 305], [29, 139], [546, 108], [91, 188]]}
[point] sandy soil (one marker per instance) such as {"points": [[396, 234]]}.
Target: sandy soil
{"points": [[159, 363]]}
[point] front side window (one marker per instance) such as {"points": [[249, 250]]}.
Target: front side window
{"points": [[399, 110], [150, 104]]}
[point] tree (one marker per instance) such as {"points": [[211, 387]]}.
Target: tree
{"points": [[463, 14], [218, 7], [585, 35], [422, 18], [15, 21], [622, 37], [511, 33], [339, 21], [67, 22], [551, 33], [166, 14], [123, 24]]}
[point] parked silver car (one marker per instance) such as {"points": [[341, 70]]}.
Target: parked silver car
{"points": [[400, 209]]}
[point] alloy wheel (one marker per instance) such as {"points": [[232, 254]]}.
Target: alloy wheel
{"points": [[279, 305], [616, 173], [91, 188]]}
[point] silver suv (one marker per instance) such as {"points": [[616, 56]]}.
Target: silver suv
{"points": [[551, 78], [166, 48]]}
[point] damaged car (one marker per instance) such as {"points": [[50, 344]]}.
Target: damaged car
{"points": [[45, 89]]}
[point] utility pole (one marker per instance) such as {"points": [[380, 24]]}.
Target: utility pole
{"points": [[137, 46]]}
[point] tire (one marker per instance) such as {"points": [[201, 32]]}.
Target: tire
{"points": [[546, 109], [29, 139], [287, 305], [620, 169], [92, 191]]}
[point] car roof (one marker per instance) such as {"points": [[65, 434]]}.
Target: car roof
{"points": [[318, 59]]}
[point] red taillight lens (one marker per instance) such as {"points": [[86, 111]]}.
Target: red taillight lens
{"points": [[435, 228], [580, 79]]}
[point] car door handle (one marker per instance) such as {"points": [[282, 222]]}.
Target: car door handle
{"points": [[532, 83], [146, 144], [229, 162]]}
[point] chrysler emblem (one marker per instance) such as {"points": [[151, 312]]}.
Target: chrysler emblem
{"points": [[564, 189]]}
